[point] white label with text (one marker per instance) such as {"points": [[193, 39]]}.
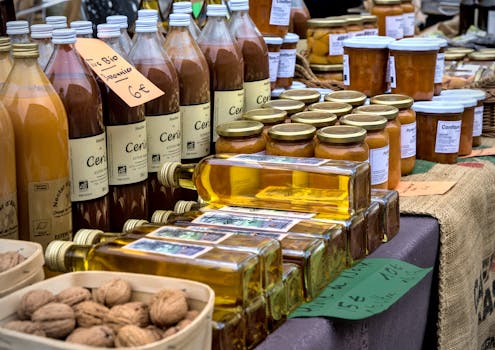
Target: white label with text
{"points": [[196, 129], [8, 216], [287, 63], [336, 44], [164, 140], [448, 136], [478, 121], [379, 165], [229, 106], [256, 94], [408, 140], [394, 27], [273, 60], [280, 12]]}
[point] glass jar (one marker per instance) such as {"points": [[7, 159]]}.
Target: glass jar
{"points": [[318, 119], [389, 16], [370, 25], [439, 131], [274, 44], [342, 142], [408, 19], [307, 96], [240, 136], [272, 17], [287, 62], [365, 64], [289, 106], [266, 116], [328, 71], [378, 143], [291, 139], [407, 119], [299, 16], [354, 25], [324, 39], [351, 97], [337, 108]]}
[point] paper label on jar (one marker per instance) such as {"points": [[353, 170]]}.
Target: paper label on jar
{"points": [[196, 129], [379, 165], [273, 61], [371, 31], [439, 67], [157, 246], [408, 22], [392, 77], [490, 28], [190, 234], [336, 44], [408, 140], [268, 212], [8, 216], [127, 153], [346, 71], [263, 158], [164, 140], [256, 94], [228, 106], [287, 63], [448, 136], [478, 121], [394, 27], [88, 165], [280, 12]]}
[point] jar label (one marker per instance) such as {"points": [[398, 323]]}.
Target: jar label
{"points": [[287, 63], [478, 121], [164, 140], [280, 13], [190, 234], [346, 71], [157, 246], [448, 136], [256, 94], [269, 212], [8, 216], [336, 44], [273, 60], [408, 22], [195, 131], [127, 153], [371, 31], [439, 67], [228, 106], [88, 165], [394, 27], [392, 77], [263, 158], [408, 140], [379, 165]]}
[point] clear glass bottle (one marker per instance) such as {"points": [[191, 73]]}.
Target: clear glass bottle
{"points": [[42, 35], [84, 29], [155, 5], [74, 82], [299, 15], [5, 59], [57, 22], [149, 14], [42, 151], [125, 39], [18, 32], [186, 7]]}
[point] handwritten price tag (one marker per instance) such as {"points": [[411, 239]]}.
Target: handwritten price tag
{"points": [[481, 152], [423, 188], [118, 74]]}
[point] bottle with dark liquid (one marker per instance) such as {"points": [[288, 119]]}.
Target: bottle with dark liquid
{"points": [[7, 13], [467, 16], [125, 39], [186, 7], [74, 82], [126, 147]]}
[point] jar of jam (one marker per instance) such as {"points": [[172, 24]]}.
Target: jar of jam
{"points": [[240, 136], [324, 40], [407, 119], [439, 130], [412, 67], [274, 44], [354, 25], [351, 97], [370, 25], [328, 71], [318, 119], [266, 116], [408, 20], [393, 129], [307, 96], [287, 63], [378, 143], [389, 15], [366, 63], [342, 142], [337, 108], [289, 106], [291, 139], [270, 16]]}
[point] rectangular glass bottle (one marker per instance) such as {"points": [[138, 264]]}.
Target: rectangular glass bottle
{"points": [[293, 285], [374, 227], [229, 329], [389, 211]]}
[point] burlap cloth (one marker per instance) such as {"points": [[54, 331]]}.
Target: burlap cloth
{"points": [[466, 214]]}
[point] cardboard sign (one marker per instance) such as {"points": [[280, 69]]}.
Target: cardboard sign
{"points": [[481, 152], [423, 188], [118, 74]]}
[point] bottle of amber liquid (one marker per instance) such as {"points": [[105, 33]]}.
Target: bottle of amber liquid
{"points": [[125, 39], [186, 7], [42, 151], [255, 55], [226, 68], [163, 120], [72, 79], [5, 59], [126, 147]]}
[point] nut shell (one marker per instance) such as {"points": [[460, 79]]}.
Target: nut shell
{"points": [[114, 292], [89, 313], [99, 336], [56, 319], [73, 295], [10, 259], [133, 313], [26, 327], [167, 307], [33, 300], [131, 335], [192, 314]]}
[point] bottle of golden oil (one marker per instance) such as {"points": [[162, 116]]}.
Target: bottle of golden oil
{"points": [[315, 185], [229, 329], [374, 228], [389, 211], [292, 279]]}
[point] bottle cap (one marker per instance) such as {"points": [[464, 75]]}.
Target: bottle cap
{"points": [[182, 7], [184, 206], [148, 13], [414, 44], [306, 96], [131, 224], [82, 27], [273, 40], [365, 121], [354, 98], [291, 38], [240, 128], [64, 36], [5, 45], [396, 100], [25, 50], [266, 115], [389, 112], [292, 132], [341, 134], [437, 107], [146, 25], [17, 27], [216, 10], [41, 31], [368, 42], [55, 255], [57, 22], [290, 106], [318, 119], [179, 20], [239, 5], [118, 19], [87, 237], [107, 30], [480, 95], [161, 216], [465, 101], [337, 108], [167, 174]]}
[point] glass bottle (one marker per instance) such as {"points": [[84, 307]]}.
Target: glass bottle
{"points": [[7, 13], [149, 14], [155, 5], [74, 82], [5, 59], [57, 22], [127, 177], [18, 32], [125, 39], [42, 152], [226, 68], [202, 16], [42, 35], [467, 15], [163, 119], [254, 53], [186, 7], [84, 29], [299, 15]]}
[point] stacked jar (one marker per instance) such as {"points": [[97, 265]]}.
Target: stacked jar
{"points": [[267, 116], [389, 15], [291, 139], [240, 136]]}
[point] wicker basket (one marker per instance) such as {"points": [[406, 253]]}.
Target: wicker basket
{"points": [[305, 75], [488, 85]]}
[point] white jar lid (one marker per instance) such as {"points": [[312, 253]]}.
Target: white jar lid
{"points": [[437, 107], [368, 42], [440, 41], [182, 7], [466, 101], [291, 38], [474, 93], [179, 20], [273, 40], [216, 10], [414, 44]]}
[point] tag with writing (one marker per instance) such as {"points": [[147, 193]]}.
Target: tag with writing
{"points": [[118, 74], [423, 188], [481, 152]]}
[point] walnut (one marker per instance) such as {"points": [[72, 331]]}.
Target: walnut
{"points": [[56, 319], [169, 332], [33, 300], [26, 327], [73, 295], [156, 330], [10, 259], [183, 324], [113, 292], [167, 307], [131, 335], [89, 313], [192, 314], [135, 313], [99, 336]]}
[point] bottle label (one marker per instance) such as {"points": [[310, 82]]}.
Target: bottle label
{"points": [[448, 136], [336, 44], [273, 60], [394, 27], [127, 153], [8, 216], [256, 94], [379, 165], [439, 67], [490, 28], [195, 131], [238, 231], [408, 22], [392, 77], [280, 13], [49, 211], [248, 222], [164, 141], [88, 165], [268, 212], [371, 31], [287, 63], [346, 71], [228, 106], [190, 234], [156, 246], [408, 140], [264, 158], [478, 121]]}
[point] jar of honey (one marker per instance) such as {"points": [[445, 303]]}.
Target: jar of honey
{"points": [[287, 62], [318, 119], [266, 116], [291, 139], [389, 15], [324, 39], [274, 44], [337, 108], [271, 17], [289, 106], [370, 25], [354, 25], [307, 96], [365, 64], [351, 97], [328, 71], [342, 142], [378, 143], [407, 119], [240, 136], [408, 20], [439, 130]]}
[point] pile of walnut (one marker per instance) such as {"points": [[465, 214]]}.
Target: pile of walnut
{"points": [[10, 259], [107, 318]]}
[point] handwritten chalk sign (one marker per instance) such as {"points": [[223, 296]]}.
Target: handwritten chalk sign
{"points": [[423, 188], [118, 74]]}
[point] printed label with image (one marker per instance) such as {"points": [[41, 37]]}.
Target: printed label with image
{"points": [[287, 63], [164, 140], [394, 27], [229, 106], [263, 158], [478, 121], [379, 165], [280, 12], [196, 129], [256, 93], [336, 43], [439, 67], [8, 217], [273, 61], [392, 77], [190, 234], [156, 246], [408, 140], [408, 22], [268, 212], [448, 136], [346, 71]]}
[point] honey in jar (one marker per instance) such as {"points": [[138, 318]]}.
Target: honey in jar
{"points": [[240, 136], [370, 25], [324, 39], [344, 142], [267, 116], [351, 97], [328, 71], [291, 139], [287, 61], [272, 17], [389, 15], [308, 96], [337, 108], [318, 119], [289, 106], [408, 18], [273, 44]]}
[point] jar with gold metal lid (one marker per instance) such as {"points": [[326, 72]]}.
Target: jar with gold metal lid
{"points": [[378, 143], [328, 71], [307, 96], [370, 25], [408, 20], [324, 40], [318, 119], [389, 14], [291, 139], [354, 25], [337, 108], [289, 106], [342, 142], [266, 116], [351, 97], [240, 136]]}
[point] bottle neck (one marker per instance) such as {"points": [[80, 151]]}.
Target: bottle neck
{"points": [[75, 258], [115, 44], [19, 38]]}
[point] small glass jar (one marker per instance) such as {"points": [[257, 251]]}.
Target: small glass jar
{"points": [[274, 44], [351, 97], [389, 14], [407, 119], [287, 63], [307, 96], [266, 116], [408, 20], [271, 17], [318, 119], [354, 25], [324, 40], [389, 211], [378, 143], [342, 142], [370, 25], [439, 131], [328, 71], [240, 136], [289, 106], [292, 140], [337, 108]]}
